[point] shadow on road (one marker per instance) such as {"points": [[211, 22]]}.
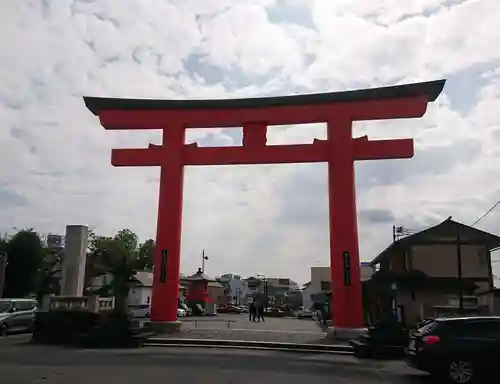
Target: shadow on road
{"points": [[21, 355]]}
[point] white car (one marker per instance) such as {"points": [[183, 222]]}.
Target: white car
{"points": [[181, 312]]}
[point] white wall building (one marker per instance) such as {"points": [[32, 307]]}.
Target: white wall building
{"points": [[282, 283], [140, 291], [307, 290], [321, 281], [237, 287]]}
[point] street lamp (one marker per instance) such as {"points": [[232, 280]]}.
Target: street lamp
{"points": [[265, 283], [203, 258]]}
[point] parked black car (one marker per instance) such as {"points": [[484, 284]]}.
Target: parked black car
{"points": [[459, 349]]}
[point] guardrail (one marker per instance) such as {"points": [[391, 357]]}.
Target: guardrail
{"points": [[197, 322]]}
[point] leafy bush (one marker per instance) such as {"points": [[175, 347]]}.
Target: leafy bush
{"points": [[62, 327], [80, 328]]}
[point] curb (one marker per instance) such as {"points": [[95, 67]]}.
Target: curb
{"points": [[244, 344]]}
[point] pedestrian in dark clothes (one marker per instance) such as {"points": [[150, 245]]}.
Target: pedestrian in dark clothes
{"points": [[260, 313], [252, 312]]}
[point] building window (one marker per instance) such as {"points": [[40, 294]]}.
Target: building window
{"points": [[148, 300]]}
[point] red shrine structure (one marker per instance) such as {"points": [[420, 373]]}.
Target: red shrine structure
{"points": [[340, 150], [198, 288]]}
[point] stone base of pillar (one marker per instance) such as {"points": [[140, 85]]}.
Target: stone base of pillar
{"points": [[166, 327], [344, 334]]}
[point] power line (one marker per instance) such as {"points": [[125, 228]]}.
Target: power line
{"points": [[486, 214]]}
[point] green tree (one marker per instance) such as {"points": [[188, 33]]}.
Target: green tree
{"points": [[145, 257], [129, 241], [49, 273], [25, 254], [94, 265], [118, 256]]}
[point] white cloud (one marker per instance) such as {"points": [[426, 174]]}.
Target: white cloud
{"points": [[56, 156]]}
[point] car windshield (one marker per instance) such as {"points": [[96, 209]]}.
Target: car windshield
{"points": [[4, 306]]}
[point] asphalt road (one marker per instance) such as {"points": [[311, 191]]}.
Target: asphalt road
{"points": [[23, 364]]}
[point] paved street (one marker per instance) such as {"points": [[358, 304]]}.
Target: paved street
{"points": [[23, 364], [240, 321], [238, 327]]}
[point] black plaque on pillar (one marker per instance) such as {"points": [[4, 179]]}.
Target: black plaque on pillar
{"points": [[347, 268], [163, 266]]}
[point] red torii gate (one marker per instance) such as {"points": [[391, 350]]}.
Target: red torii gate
{"points": [[340, 150]]}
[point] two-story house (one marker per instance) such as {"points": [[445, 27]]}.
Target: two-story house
{"points": [[443, 270]]}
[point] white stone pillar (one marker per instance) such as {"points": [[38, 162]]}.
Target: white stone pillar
{"points": [[73, 266]]}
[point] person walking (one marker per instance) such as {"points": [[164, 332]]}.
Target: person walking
{"points": [[252, 311], [319, 308], [324, 314], [260, 313]]}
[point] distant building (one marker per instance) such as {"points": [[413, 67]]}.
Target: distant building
{"points": [[54, 242], [280, 291], [140, 290], [320, 284], [235, 288], [307, 291]]}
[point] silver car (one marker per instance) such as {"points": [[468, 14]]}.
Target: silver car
{"points": [[17, 315]]}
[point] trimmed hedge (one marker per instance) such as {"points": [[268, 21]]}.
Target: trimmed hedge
{"points": [[87, 329]]}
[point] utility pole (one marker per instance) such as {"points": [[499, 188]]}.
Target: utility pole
{"points": [[203, 258], [459, 270], [393, 233]]}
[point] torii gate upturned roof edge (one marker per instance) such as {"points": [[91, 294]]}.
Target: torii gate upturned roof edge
{"points": [[430, 90]]}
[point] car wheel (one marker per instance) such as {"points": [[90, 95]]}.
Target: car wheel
{"points": [[3, 330], [461, 371]]}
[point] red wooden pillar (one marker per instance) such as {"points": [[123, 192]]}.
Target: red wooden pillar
{"points": [[346, 304], [168, 233]]}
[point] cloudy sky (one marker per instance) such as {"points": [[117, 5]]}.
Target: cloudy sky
{"points": [[55, 157]]}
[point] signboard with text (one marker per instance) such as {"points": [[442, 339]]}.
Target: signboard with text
{"points": [[347, 268], [163, 266]]}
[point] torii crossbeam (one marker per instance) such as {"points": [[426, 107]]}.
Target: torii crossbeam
{"points": [[340, 151]]}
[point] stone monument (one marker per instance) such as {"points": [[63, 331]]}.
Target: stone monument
{"points": [[73, 265]]}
